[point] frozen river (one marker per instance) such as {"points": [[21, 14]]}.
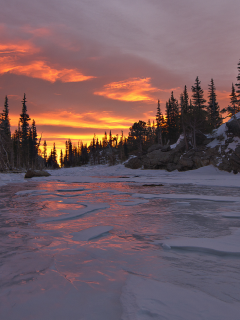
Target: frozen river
{"points": [[110, 243]]}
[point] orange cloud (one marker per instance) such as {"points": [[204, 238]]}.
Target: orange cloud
{"points": [[20, 48], [92, 120], [10, 62], [40, 69], [134, 89]]}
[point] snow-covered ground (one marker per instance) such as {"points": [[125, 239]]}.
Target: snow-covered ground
{"points": [[102, 242]]}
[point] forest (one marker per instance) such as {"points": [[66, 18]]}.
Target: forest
{"points": [[190, 116]]}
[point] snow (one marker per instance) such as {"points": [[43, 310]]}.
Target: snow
{"points": [[181, 137], [98, 243], [222, 131]]}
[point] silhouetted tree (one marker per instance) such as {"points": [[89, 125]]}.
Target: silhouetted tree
{"points": [[198, 100], [137, 133], [173, 119], [214, 118], [24, 135], [160, 124]]}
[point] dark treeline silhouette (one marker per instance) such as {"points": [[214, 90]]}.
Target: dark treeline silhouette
{"points": [[191, 117], [19, 150]]}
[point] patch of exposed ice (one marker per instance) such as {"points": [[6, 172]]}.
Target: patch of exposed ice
{"points": [[225, 245], [71, 190], [145, 299], [182, 203], [186, 197], [91, 233], [132, 203], [23, 192], [74, 214]]}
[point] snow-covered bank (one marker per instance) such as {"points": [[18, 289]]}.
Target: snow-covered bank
{"points": [[208, 175]]}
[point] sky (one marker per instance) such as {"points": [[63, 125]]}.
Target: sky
{"points": [[91, 66]]}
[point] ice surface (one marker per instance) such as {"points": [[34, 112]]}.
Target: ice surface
{"points": [[227, 245], [187, 197], [172, 253], [74, 214], [91, 233], [145, 299]]}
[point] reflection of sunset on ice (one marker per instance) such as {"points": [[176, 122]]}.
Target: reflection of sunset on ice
{"points": [[96, 242]]}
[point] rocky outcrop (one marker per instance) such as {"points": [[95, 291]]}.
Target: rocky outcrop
{"points": [[234, 127], [222, 150], [134, 163], [154, 147], [157, 159], [36, 173]]}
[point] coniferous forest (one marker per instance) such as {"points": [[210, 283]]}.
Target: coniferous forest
{"points": [[190, 115]]}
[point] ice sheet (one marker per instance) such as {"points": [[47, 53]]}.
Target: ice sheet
{"points": [[144, 299], [74, 214], [50, 270], [91, 233], [226, 245]]}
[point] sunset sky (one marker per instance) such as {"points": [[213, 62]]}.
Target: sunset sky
{"points": [[89, 66]]}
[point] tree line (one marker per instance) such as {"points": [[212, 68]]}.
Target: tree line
{"points": [[19, 150], [190, 116]]}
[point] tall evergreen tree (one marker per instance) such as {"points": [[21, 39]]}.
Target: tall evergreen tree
{"points": [[184, 114], [198, 95], [238, 84], [234, 106], [185, 101], [173, 119], [214, 117], [160, 124], [24, 120], [45, 151], [197, 119], [33, 144], [5, 122], [61, 158], [24, 125], [110, 138]]}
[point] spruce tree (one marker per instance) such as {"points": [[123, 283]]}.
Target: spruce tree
{"points": [[160, 123], [110, 138], [24, 120], [45, 151], [54, 157], [238, 84], [24, 127], [33, 144], [173, 119], [198, 95], [197, 119], [61, 158], [214, 118], [185, 101], [5, 122], [234, 106], [184, 115]]}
